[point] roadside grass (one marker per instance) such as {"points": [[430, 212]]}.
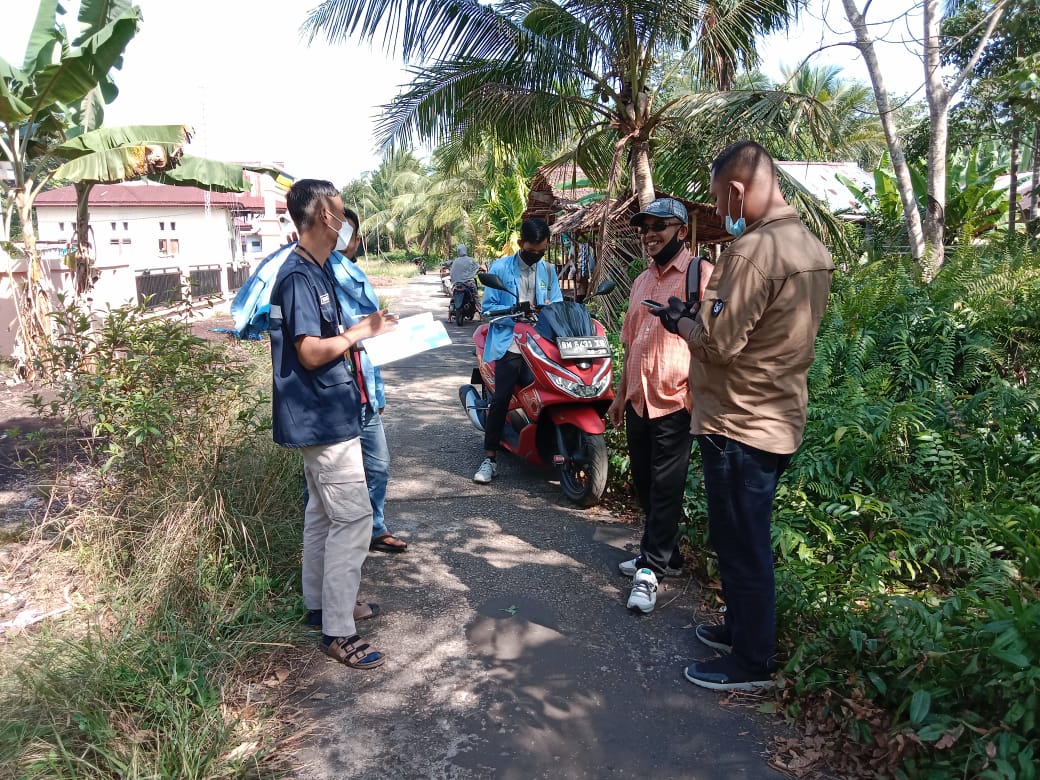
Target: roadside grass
{"points": [[184, 519], [375, 266]]}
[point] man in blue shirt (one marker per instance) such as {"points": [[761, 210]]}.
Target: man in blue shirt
{"points": [[317, 409], [358, 299], [531, 280]]}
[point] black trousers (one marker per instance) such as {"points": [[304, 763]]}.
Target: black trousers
{"points": [[508, 370], [659, 452]]}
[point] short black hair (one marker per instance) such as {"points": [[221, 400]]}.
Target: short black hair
{"points": [[302, 197], [744, 156], [351, 216], [534, 231]]}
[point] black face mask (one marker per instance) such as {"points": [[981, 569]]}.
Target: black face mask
{"points": [[530, 258], [668, 251]]}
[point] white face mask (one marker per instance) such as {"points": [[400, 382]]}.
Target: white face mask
{"points": [[343, 235]]}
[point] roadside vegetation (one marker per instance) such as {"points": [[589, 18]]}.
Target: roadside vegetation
{"points": [[178, 515], [907, 529]]}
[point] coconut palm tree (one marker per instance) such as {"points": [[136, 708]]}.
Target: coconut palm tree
{"points": [[575, 73], [852, 110]]}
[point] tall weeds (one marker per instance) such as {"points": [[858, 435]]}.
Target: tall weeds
{"points": [[184, 518]]}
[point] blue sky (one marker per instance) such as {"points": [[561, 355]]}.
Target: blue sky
{"points": [[238, 73]]}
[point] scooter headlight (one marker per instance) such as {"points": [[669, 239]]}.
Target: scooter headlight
{"points": [[578, 389]]}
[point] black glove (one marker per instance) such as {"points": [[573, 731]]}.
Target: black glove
{"points": [[677, 309]]}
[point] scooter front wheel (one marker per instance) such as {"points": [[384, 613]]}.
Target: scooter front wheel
{"points": [[583, 473]]}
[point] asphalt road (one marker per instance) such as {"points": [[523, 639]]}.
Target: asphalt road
{"points": [[510, 653]]}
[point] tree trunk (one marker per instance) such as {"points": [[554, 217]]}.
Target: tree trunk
{"points": [[84, 267], [1034, 193], [865, 44], [33, 299], [938, 116], [642, 173], [1016, 137]]}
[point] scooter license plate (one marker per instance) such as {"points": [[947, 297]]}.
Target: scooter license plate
{"points": [[577, 348]]}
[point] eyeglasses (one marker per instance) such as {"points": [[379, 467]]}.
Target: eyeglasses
{"points": [[657, 227]]}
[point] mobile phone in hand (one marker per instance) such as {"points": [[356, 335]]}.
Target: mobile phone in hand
{"points": [[650, 304]]}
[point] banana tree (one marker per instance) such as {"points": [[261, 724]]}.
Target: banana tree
{"points": [[35, 119], [110, 155]]}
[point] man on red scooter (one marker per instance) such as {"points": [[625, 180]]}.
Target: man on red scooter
{"points": [[534, 281]]}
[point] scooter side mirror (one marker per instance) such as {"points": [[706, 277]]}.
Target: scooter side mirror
{"points": [[605, 287], [494, 281]]}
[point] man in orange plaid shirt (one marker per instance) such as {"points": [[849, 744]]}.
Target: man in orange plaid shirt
{"points": [[653, 399]]}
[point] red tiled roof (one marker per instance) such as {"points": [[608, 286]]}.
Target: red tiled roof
{"points": [[151, 194]]}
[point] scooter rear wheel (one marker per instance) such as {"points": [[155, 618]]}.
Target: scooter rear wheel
{"points": [[583, 475]]}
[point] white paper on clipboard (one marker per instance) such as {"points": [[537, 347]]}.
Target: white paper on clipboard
{"points": [[415, 334]]}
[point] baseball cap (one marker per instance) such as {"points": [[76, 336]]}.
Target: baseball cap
{"points": [[662, 208]]}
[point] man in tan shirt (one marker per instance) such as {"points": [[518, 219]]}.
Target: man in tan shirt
{"points": [[752, 343]]}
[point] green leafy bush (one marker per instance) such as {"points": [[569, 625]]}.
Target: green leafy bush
{"points": [[907, 530]]}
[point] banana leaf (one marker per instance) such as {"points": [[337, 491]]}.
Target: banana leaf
{"points": [[119, 164]]}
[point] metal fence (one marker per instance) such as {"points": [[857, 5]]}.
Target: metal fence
{"points": [[204, 281], [158, 287], [236, 277]]}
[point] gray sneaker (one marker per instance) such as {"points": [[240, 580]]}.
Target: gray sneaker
{"points": [[629, 569], [486, 472]]}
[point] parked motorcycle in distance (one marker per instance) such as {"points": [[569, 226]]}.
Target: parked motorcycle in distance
{"points": [[420, 264], [556, 411], [463, 304]]}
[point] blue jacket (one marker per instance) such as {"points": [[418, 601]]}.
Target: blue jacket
{"points": [[251, 308], [547, 290]]}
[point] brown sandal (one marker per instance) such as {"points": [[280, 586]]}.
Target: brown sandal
{"points": [[346, 650], [363, 611], [388, 543]]}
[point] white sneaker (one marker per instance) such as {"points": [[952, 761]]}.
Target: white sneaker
{"points": [[628, 568], [644, 591], [486, 472]]}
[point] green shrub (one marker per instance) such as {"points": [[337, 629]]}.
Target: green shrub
{"points": [[907, 530]]}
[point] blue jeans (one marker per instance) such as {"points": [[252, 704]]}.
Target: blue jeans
{"points": [[376, 457], [740, 482]]}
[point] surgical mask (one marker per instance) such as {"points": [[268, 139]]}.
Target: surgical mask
{"points": [[343, 235], [530, 258], [735, 229]]}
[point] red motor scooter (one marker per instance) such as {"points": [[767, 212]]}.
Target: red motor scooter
{"points": [[556, 411]]}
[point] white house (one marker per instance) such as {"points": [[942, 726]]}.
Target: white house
{"points": [[154, 241]]}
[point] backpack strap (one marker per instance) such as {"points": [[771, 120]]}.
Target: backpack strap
{"points": [[693, 279]]}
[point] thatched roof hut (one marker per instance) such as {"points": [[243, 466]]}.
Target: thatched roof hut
{"points": [[706, 227], [556, 188]]}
